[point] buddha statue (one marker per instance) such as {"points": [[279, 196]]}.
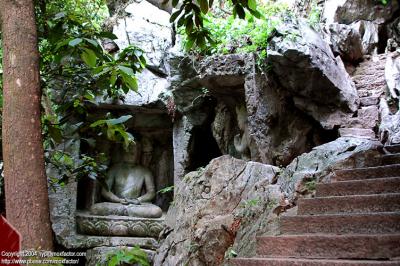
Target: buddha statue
{"points": [[126, 180], [241, 140]]}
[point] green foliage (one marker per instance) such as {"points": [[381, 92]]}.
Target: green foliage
{"points": [[76, 73], [191, 15], [314, 16], [230, 34], [311, 185], [166, 190], [115, 129], [127, 256]]}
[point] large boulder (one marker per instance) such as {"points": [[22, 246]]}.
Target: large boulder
{"points": [[299, 177], [392, 74], [369, 32], [305, 66], [218, 211], [389, 129], [345, 41], [393, 30], [349, 11], [210, 205], [147, 27]]}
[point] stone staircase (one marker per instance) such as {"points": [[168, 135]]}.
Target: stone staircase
{"points": [[370, 82], [355, 220]]}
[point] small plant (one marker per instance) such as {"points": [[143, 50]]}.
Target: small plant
{"points": [[127, 256], [230, 253], [247, 207], [315, 16], [166, 190], [311, 185]]}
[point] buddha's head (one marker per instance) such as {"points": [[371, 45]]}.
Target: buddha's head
{"points": [[132, 153]]}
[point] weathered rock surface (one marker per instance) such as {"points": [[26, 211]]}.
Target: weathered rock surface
{"points": [[392, 74], [305, 66], [210, 206], [221, 209], [389, 129], [393, 30], [345, 41], [147, 27], [348, 11], [305, 171], [369, 32]]}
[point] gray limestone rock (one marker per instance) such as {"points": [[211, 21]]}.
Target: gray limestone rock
{"points": [[389, 129], [209, 206], [393, 30], [147, 27], [348, 11], [305, 66], [369, 32], [345, 41], [317, 165], [392, 74]]}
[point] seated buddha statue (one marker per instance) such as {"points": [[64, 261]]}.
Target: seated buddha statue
{"points": [[126, 180]]}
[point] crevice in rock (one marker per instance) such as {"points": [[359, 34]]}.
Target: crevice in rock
{"points": [[202, 145], [383, 38]]}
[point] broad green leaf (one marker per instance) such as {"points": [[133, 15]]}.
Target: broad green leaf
{"points": [[203, 6], [55, 133], [108, 35], [113, 78], [175, 3], [89, 57], [89, 95], [92, 42], [252, 4], [75, 42], [126, 70], [98, 123], [175, 15], [130, 81], [189, 43], [120, 120]]}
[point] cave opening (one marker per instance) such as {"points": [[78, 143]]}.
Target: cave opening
{"points": [[202, 146]]}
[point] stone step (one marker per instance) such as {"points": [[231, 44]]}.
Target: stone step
{"points": [[359, 187], [330, 246], [306, 262], [371, 223], [365, 133], [350, 204], [391, 159], [393, 148], [370, 100], [369, 172]]}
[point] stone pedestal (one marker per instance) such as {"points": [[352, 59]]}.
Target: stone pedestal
{"points": [[118, 225]]}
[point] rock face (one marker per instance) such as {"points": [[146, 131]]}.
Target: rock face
{"points": [[304, 65], [209, 207], [300, 177], [392, 74], [369, 32], [147, 27], [345, 41], [348, 11], [390, 127], [220, 210]]}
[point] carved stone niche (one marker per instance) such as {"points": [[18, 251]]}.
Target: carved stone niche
{"points": [[76, 228], [152, 129], [213, 121]]}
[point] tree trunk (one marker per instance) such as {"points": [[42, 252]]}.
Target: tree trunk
{"points": [[27, 206]]}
